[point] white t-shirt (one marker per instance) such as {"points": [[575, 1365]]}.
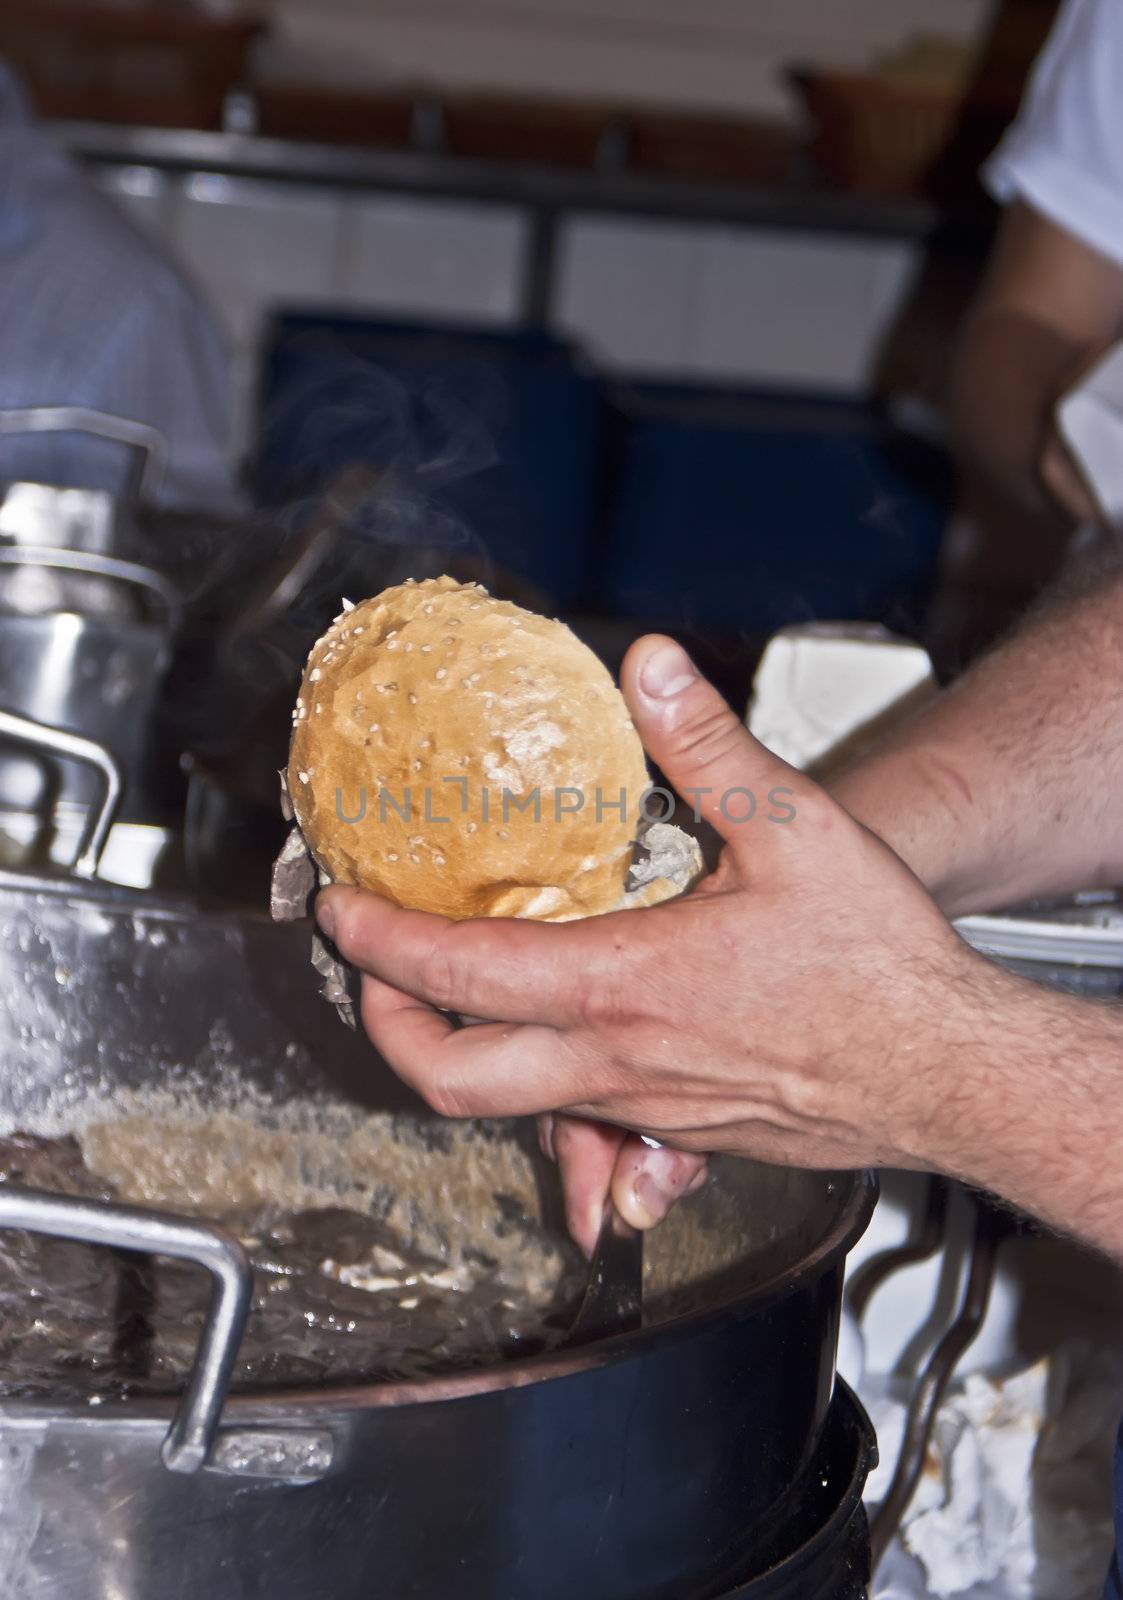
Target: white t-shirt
{"points": [[1064, 154]]}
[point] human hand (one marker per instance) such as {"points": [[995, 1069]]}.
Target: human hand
{"points": [[805, 1004]]}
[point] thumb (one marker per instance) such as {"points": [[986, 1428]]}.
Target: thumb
{"points": [[705, 750]]}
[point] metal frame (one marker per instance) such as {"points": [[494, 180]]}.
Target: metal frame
{"points": [[545, 193]]}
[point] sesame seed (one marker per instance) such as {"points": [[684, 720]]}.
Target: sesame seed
{"points": [[413, 699], [416, 765], [303, 776], [471, 828], [318, 710], [425, 649], [416, 838], [455, 622], [478, 605], [442, 672], [392, 855], [356, 631], [426, 744], [504, 833], [438, 860], [374, 727], [465, 761], [392, 644], [407, 646], [428, 608], [448, 639], [416, 859]]}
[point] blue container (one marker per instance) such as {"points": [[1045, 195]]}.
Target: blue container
{"points": [[745, 514], [491, 442]]}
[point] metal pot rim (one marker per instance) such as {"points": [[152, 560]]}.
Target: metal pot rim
{"points": [[309, 1405]]}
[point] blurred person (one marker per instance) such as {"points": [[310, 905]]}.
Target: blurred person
{"points": [[93, 314], [1052, 298]]}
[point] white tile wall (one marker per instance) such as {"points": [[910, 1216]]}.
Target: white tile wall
{"points": [[798, 309], [252, 246], [629, 290], [431, 259], [736, 305]]}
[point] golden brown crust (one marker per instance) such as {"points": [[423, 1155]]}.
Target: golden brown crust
{"points": [[438, 689]]}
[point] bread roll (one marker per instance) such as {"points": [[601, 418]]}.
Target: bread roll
{"points": [[460, 755]]}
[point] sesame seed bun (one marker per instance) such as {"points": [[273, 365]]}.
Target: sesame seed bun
{"points": [[428, 720]]}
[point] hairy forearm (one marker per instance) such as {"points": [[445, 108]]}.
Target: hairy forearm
{"points": [[1027, 1087], [1011, 784]]}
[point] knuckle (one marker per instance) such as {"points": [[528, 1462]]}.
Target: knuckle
{"points": [[445, 1094], [603, 1006], [712, 736], [437, 974]]}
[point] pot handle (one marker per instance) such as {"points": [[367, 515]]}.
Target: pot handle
{"points": [[189, 1439], [41, 555], [61, 742], [148, 443]]}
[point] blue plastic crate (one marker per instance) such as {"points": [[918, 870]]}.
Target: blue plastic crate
{"points": [[492, 442], [738, 513]]}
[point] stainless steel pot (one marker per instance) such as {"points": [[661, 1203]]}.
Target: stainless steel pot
{"points": [[97, 675], [80, 518], [633, 1469]]}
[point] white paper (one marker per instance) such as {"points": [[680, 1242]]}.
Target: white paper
{"points": [[1090, 421]]}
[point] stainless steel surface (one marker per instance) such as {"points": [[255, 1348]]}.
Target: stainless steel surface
{"points": [[147, 444], [127, 575], [71, 746], [613, 1299], [94, 676], [130, 575], [136, 855], [798, 205], [193, 1430]]}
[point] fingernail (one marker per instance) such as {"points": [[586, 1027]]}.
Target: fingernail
{"points": [[666, 672], [650, 1200], [546, 1137], [325, 917]]}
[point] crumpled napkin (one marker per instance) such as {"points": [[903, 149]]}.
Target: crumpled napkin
{"points": [[1015, 1502]]}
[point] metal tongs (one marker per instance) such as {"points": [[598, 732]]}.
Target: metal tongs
{"points": [[613, 1301]]}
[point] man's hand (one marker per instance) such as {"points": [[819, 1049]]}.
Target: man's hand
{"points": [[806, 1004]]}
